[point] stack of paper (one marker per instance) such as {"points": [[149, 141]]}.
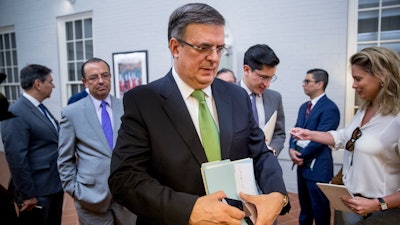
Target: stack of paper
{"points": [[231, 177]]}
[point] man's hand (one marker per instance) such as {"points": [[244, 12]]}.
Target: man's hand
{"points": [[294, 155], [268, 206], [28, 204], [209, 209]]}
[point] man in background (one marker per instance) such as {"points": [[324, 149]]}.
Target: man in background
{"points": [[88, 130], [259, 68], [78, 96], [31, 145], [226, 75], [314, 160]]}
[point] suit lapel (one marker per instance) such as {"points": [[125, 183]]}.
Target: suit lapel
{"points": [[223, 102], [35, 111], [314, 109], [94, 124], [176, 109]]}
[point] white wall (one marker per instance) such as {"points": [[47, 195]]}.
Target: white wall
{"points": [[304, 35]]}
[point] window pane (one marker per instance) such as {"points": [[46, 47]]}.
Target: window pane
{"points": [[2, 63], [69, 31], [9, 72], [13, 44], [368, 25], [79, 50], [1, 42], [74, 89], [362, 4], [361, 47], [71, 72], [14, 54], [88, 49], [88, 28], [70, 51], [390, 2], [9, 77], [8, 58], [78, 29], [393, 46], [7, 41], [390, 26], [79, 70], [16, 75]]}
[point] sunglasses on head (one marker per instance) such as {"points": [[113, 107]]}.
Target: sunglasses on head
{"points": [[354, 137]]}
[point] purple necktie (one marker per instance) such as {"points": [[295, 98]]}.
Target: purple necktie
{"points": [[254, 106], [106, 124]]}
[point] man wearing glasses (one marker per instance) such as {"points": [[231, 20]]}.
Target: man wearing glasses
{"points": [[314, 160], [161, 145], [88, 130], [259, 67]]}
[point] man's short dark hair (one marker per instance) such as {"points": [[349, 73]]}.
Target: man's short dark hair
{"points": [[320, 75], [32, 72], [192, 13], [91, 60], [260, 55]]}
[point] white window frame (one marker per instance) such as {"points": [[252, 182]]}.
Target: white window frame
{"points": [[63, 60], [13, 68]]}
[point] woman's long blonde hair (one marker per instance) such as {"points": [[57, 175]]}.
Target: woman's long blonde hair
{"points": [[384, 64]]}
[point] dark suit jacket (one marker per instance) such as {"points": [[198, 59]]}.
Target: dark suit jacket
{"points": [[324, 116], [155, 167], [78, 96], [31, 143]]}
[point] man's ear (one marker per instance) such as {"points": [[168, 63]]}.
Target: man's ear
{"points": [[84, 81], [174, 47]]}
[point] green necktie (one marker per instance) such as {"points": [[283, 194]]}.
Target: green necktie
{"points": [[208, 129]]}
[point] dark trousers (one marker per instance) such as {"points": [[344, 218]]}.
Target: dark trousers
{"points": [[49, 214], [313, 203]]}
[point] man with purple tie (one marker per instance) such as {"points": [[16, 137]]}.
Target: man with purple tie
{"points": [[88, 130]]}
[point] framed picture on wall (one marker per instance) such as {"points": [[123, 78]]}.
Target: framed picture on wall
{"points": [[130, 70]]}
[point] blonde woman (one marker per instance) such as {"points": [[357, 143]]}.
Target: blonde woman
{"points": [[371, 161]]}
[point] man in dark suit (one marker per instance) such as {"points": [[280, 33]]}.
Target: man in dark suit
{"points": [[259, 67], [31, 142], [155, 167], [78, 96], [314, 160]]}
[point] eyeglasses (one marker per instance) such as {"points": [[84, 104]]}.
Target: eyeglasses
{"points": [[309, 81], [265, 77], [354, 137], [206, 50], [96, 78]]}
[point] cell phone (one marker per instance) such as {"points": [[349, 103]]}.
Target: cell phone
{"points": [[242, 206]]}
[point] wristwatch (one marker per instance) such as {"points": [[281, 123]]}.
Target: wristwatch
{"points": [[383, 204], [285, 200]]}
